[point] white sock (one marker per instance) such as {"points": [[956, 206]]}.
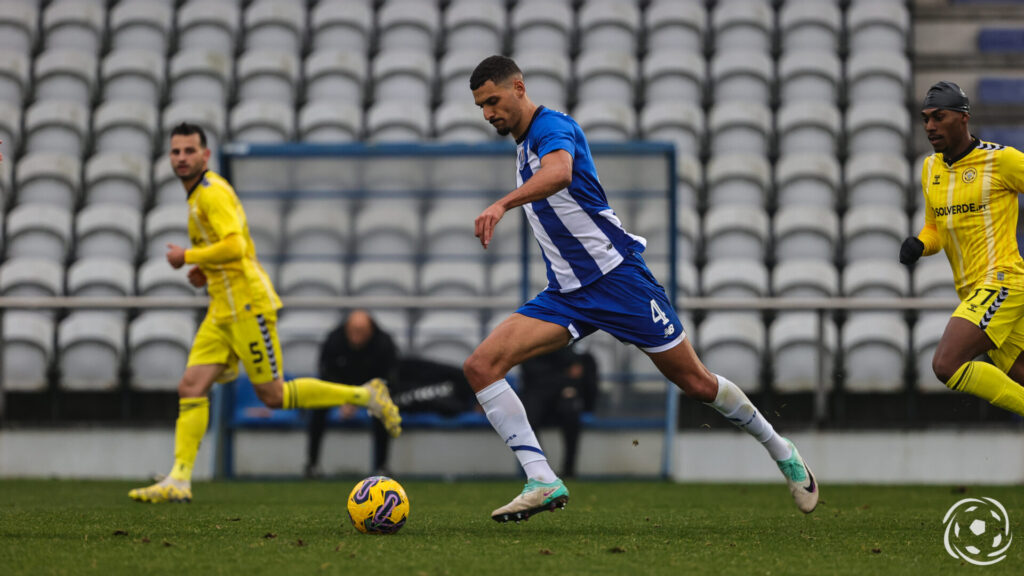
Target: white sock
{"points": [[732, 403], [506, 414]]}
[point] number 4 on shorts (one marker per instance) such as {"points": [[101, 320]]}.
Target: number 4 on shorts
{"points": [[657, 315]]}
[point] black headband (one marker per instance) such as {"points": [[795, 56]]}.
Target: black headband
{"points": [[947, 96]]}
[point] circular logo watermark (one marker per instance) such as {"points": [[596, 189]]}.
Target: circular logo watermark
{"points": [[978, 531]]}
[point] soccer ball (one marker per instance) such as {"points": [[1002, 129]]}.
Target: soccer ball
{"points": [[378, 505]]}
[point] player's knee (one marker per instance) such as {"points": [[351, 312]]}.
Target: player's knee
{"points": [[944, 368], [190, 387], [478, 370], [700, 385], [270, 394]]}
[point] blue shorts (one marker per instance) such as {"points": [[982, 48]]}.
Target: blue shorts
{"points": [[627, 303]]}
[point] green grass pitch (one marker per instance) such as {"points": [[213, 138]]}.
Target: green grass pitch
{"points": [[615, 528]]}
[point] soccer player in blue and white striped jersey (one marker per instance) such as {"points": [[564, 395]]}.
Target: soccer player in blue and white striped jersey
{"points": [[597, 280]]}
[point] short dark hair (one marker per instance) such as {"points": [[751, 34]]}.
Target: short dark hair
{"points": [[497, 69], [187, 129]]}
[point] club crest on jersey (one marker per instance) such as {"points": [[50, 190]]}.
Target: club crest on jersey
{"points": [[969, 175]]}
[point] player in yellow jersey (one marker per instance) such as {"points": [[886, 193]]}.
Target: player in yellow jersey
{"points": [[970, 191], [239, 324]]}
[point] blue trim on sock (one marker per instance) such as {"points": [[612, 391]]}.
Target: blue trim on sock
{"points": [[530, 448]]}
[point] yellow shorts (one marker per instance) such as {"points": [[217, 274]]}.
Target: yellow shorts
{"points": [[1000, 314], [252, 341]]}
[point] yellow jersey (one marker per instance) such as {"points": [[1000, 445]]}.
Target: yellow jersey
{"points": [[238, 288], [971, 213]]}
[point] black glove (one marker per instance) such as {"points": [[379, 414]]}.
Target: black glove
{"points": [[911, 250]]}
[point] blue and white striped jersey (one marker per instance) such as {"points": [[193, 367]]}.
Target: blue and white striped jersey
{"points": [[579, 234]]}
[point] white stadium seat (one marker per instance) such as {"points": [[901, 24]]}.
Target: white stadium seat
{"points": [[808, 127], [877, 75], [132, 74], [264, 222], [210, 26], [166, 224], [809, 77], [738, 179], [448, 228], [141, 25], [541, 25], [109, 230], [805, 231], [742, 75], [740, 126], [328, 121], [875, 178], [795, 345], [398, 121], [387, 227], [877, 26], [10, 134], [452, 278], [57, 126], [506, 278], [807, 179], [689, 178], [474, 25], [121, 178], [336, 76], [275, 25], [382, 278], [876, 278], [167, 187], [31, 277], [734, 343], [675, 25], [736, 231], [62, 74], [927, 332], [805, 278], [547, 76], [317, 278], [403, 74], [49, 178], [602, 74], [341, 25], [735, 278], [875, 345], [270, 75], [200, 74], [156, 278], [159, 343], [872, 231], [651, 223], [687, 234], [125, 126], [810, 26], [14, 77], [72, 25], [27, 350], [743, 25], [606, 120], [879, 127], [462, 121], [39, 231], [18, 27], [263, 121], [301, 334], [681, 123], [316, 229], [673, 77], [447, 336], [609, 25], [408, 25], [455, 69], [102, 277], [933, 278], [91, 346]]}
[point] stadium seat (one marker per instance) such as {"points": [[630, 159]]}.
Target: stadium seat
{"points": [[734, 343], [329, 121], [474, 25], [382, 278], [156, 278], [877, 26], [264, 221], [452, 278], [31, 277], [39, 231], [62, 74], [736, 231], [387, 227], [209, 115], [735, 278], [125, 126], [805, 231], [320, 278], [200, 74], [877, 75], [541, 25], [57, 126], [275, 25], [448, 228], [10, 132], [687, 234], [687, 285], [91, 347], [548, 75], [49, 178], [810, 26], [268, 75], [462, 121], [18, 27], [809, 77], [14, 77], [875, 346], [396, 323], [795, 345], [681, 123], [675, 26], [316, 229], [506, 278], [807, 179], [404, 75], [446, 336], [301, 333], [158, 343], [209, 26], [673, 77], [398, 121], [742, 75], [927, 332], [117, 178], [801, 278], [689, 179], [738, 179], [606, 75], [606, 120], [141, 25], [876, 278], [743, 25], [456, 67], [263, 121], [101, 277], [27, 350], [108, 230], [133, 74], [335, 76], [341, 25], [166, 224], [739, 126], [77, 26], [408, 25], [875, 178], [997, 90], [609, 25], [877, 127], [808, 127], [167, 187], [651, 223], [933, 278]]}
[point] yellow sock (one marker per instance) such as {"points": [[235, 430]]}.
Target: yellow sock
{"points": [[314, 393], [985, 381], [193, 417]]}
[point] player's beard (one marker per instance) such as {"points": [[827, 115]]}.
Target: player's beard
{"points": [[192, 173], [503, 131]]}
